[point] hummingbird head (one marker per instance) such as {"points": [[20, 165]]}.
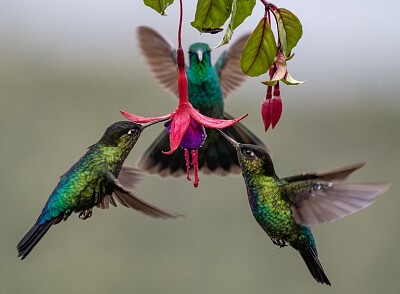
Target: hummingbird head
{"points": [[199, 53], [253, 159], [124, 134]]}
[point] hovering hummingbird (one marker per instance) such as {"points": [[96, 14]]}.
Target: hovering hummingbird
{"points": [[97, 179], [286, 207], [208, 87]]}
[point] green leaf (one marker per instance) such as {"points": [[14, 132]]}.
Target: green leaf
{"points": [[260, 50], [269, 83], [289, 29], [211, 14], [159, 5], [289, 80], [241, 9]]}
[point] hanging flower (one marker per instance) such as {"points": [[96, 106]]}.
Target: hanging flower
{"points": [[271, 108], [186, 127]]}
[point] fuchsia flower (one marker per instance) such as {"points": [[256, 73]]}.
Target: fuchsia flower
{"points": [[187, 125], [271, 108]]}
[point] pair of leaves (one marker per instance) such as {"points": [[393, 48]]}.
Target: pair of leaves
{"points": [[261, 50], [212, 14]]}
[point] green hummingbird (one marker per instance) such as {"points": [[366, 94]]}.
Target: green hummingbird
{"points": [[96, 179], [208, 86], [286, 207]]}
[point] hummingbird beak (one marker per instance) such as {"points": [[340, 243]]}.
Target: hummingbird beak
{"points": [[233, 142], [153, 122], [199, 55]]}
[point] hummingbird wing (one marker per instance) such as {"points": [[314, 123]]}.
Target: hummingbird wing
{"points": [[129, 177], [127, 199], [318, 202], [339, 174], [160, 56], [228, 68]]}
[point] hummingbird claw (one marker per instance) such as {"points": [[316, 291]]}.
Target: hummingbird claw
{"points": [[85, 214], [280, 242]]}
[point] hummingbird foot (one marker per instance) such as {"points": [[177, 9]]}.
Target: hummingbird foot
{"points": [[85, 214], [280, 242]]}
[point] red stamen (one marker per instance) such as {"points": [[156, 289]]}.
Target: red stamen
{"points": [[187, 164], [195, 163]]}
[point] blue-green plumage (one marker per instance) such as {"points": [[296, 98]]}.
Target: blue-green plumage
{"points": [[285, 208], [92, 181], [208, 86]]}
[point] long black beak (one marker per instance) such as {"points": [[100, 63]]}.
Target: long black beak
{"points": [[153, 122], [233, 142]]}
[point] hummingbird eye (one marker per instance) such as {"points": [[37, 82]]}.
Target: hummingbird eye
{"points": [[131, 132], [248, 153]]}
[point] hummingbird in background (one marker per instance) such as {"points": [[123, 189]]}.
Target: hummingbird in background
{"points": [[208, 87], [286, 207], [97, 179]]}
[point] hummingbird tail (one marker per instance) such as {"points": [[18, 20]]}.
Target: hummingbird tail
{"points": [[314, 266], [33, 237], [215, 156]]}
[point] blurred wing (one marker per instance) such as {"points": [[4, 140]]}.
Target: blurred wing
{"points": [[327, 203], [127, 199], [129, 177], [160, 56], [228, 67], [339, 174]]}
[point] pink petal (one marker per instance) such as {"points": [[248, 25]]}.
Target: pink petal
{"points": [[265, 113], [213, 123], [275, 110], [179, 125], [141, 119]]}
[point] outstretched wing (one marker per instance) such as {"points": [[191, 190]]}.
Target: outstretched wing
{"points": [[127, 199], [228, 67], [160, 56], [325, 202], [339, 174]]}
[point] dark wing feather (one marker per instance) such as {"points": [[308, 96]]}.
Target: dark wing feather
{"points": [[339, 174], [228, 67], [332, 202], [154, 161], [127, 199], [160, 56]]}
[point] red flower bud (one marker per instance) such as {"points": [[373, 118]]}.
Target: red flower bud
{"points": [[275, 110], [271, 110]]}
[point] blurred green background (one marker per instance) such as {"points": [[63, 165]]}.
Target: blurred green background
{"points": [[68, 67]]}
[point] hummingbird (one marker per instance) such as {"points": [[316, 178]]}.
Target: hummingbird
{"points": [[96, 179], [208, 86], [286, 207]]}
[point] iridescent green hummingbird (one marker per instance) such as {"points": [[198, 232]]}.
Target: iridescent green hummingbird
{"points": [[97, 179], [286, 207], [208, 87]]}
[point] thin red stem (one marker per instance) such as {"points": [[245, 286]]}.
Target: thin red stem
{"points": [[180, 24], [277, 92]]}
